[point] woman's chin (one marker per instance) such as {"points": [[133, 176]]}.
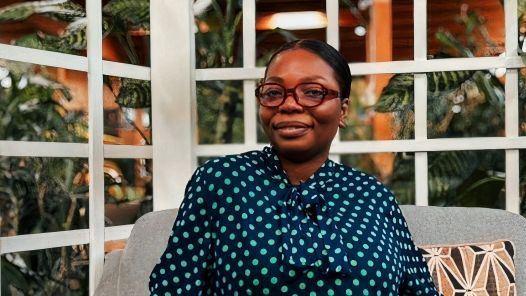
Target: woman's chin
{"points": [[297, 151]]}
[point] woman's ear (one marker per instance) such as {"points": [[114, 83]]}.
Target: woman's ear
{"points": [[343, 114]]}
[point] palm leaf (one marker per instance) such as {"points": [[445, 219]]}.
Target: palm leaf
{"points": [[397, 95], [447, 171], [134, 12], [134, 93], [45, 42], [439, 82], [11, 276], [71, 41], [448, 40], [60, 9]]}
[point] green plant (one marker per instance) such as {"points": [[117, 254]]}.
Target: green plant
{"points": [[120, 17], [50, 194], [218, 45], [40, 273], [219, 102], [460, 104], [38, 194]]}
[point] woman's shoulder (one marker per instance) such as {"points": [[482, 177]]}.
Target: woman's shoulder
{"points": [[243, 161], [364, 184], [357, 176]]}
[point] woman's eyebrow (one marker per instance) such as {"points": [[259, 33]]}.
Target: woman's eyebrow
{"points": [[313, 77], [304, 79], [275, 78]]}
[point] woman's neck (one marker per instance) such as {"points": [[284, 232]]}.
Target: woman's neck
{"points": [[300, 171]]}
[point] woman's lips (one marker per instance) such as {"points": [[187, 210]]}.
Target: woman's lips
{"points": [[291, 129]]}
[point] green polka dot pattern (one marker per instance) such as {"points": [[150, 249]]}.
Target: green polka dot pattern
{"points": [[243, 229]]}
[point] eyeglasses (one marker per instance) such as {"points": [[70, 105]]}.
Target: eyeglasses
{"points": [[309, 94]]}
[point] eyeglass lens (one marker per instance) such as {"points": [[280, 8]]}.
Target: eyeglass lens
{"points": [[306, 94]]}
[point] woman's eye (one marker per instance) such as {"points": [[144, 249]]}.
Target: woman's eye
{"points": [[273, 93], [313, 92]]}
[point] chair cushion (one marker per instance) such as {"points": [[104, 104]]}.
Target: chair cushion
{"points": [[473, 269]]}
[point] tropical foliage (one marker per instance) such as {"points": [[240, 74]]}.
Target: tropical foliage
{"points": [[460, 104], [218, 45], [219, 103], [51, 194], [40, 194]]}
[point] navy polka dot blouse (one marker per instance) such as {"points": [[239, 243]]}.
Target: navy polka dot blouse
{"points": [[244, 229]]}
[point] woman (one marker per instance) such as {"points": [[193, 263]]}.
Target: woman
{"points": [[287, 220]]}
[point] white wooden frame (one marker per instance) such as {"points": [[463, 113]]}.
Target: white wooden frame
{"points": [[174, 109], [95, 151], [421, 145]]}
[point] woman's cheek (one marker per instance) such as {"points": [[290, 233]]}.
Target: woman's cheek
{"points": [[264, 119], [326, 115]]}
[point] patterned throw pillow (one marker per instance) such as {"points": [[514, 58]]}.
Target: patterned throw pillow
{"points": [[472, 270]]}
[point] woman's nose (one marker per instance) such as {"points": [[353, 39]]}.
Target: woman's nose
{"points": [[290, 104]]}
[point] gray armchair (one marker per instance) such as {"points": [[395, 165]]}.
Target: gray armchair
{"points": [[126, 271]]}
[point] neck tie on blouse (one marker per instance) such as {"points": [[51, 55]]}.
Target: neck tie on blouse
{"points": [[310, 236]]}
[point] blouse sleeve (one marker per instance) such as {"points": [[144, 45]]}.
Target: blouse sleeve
{"points": [[416, 279], [184, 265]]}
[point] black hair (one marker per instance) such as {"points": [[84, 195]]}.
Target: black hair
{"points": [[329, 54]]}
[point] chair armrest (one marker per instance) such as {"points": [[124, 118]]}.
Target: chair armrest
{"points": [[109, 282]]}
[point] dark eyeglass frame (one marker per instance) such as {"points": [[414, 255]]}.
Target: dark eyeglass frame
{"points": [[328, 94]]}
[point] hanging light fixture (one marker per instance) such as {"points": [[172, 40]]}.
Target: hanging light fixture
{"points": [[296, 20]]}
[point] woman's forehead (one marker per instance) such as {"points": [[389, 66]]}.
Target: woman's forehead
{"points": [[299, 62], [296, 53]]}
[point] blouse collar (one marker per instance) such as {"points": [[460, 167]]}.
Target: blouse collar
{"points": [[308, 201], [320, 177]]}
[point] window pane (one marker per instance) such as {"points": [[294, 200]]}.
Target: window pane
{"points": [[465, 28], [376, 31], [57, 271], [39, 103], [279, 21], [466, 103], [48, 25], [522, 102], [220, 111], [218, 34], [394, 170], [126, 31], [381, 107], [43, 194], [522, 180], [261, 136], [127, 111], [467, 178], [127, 190]]}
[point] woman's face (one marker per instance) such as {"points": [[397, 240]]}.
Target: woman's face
{"points": [[300, 133]]}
